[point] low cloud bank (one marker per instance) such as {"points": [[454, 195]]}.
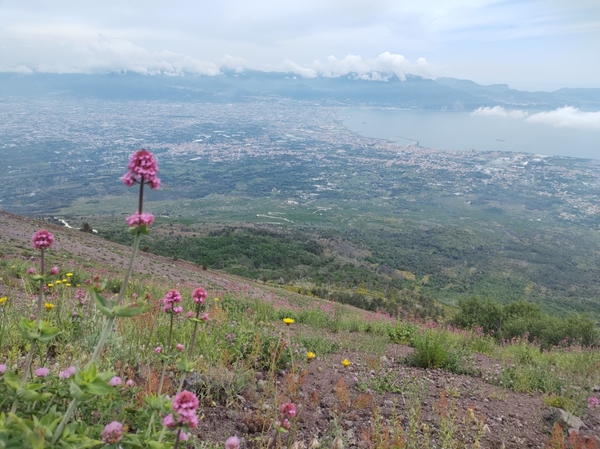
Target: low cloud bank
{"points": [[568, 117], [499, 111], [565, 117]]}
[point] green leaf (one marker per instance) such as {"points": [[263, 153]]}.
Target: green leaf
{"points": [[129, 311], [75, 391], [11, 380], [185, 366], [27, 329], [47, 332], [141, 229], [102, 304], [99, 387]]}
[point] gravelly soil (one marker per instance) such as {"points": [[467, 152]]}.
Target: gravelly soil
{"points": [[333, 400]]}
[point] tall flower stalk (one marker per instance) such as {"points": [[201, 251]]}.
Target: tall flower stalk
{"points": [[41, 240], [142, 170]]}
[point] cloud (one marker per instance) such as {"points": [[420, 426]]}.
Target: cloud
{"points": [[373, 69], [568, 117], [83, 51], [499, 111]]}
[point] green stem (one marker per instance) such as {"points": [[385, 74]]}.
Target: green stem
{"points": [[108, 324], [164, 371]]}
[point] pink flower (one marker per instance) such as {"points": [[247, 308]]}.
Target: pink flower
{"points": [[112, 433], [115, 381], [593, 403], [180, 347], [143, 169], [172, 297], [183, 436], [232, 443], [286, 424], [199, 295], [41, 372], [130, 383], [54, 271], [190, 314], [140, 219], [2, 368], [177, 310], [185, 405], [42, 239], [168, 421], [205, 317], [30, 270], [288, 409], [158, 349], [69, 372]]}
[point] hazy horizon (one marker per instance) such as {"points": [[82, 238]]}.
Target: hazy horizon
{"points": [[535, 45]]}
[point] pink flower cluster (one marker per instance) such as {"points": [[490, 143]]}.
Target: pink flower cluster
{"points": [[42, 239], [288, 410], [184, 405], [143, 169], [67, 373], [138, 219], [232, 443], [593, 403], [199, 295], [171, 298], [112, 433]]}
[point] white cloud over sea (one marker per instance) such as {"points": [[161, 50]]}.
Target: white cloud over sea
{"points": [[568, 117], [565, 117], [499, 111]]}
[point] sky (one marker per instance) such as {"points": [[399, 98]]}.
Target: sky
{"points": [[528, 44]]}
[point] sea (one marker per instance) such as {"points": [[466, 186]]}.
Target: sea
{"points": [[463, 131]]}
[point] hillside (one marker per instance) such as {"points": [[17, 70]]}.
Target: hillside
{"points": [[487, 396]]}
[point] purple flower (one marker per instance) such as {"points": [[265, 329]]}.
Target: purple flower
{"points": [[30, 270], [177, 310], [199, 295], [158, 349], [205, 317], [593, 403], [130, 383], [2, 368], [55, 270], [232, 443], [180, 347], [183, 436], [190, 314], [171, 298], [115, 381], [42, 239], [143, 169], [112, 433], [69, 372], [168, 421], [138, 219], [41, 372]]}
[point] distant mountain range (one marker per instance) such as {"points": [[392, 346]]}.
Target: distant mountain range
{"points": [[414, 92]]}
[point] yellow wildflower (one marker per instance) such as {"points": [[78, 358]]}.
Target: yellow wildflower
{"points": [[50, 285], [58, 281], [67, 284], [310, 355], [288, 321], [3, 300], [216, 299], [49, 306], [69, 275], [65, 280], [346, 363]]}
